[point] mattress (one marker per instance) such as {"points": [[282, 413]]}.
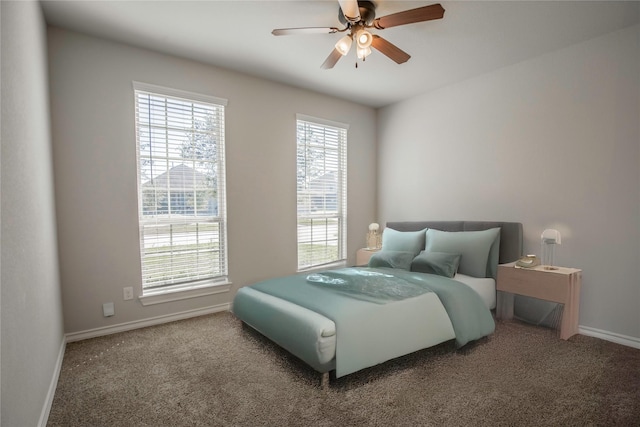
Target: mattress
{"points": [[485, 287]]}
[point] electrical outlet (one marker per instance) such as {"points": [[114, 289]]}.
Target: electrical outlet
{"points": [[128, 293], [107, 309]]}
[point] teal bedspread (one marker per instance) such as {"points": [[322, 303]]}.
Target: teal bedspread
{"points": [[375, 286], [352, 295]]}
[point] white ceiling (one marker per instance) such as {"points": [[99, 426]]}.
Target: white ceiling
{"points": [[473, 38]]}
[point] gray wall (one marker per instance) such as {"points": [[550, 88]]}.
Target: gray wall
{"points": [[32, 332], [95, 171], [552, 142]]}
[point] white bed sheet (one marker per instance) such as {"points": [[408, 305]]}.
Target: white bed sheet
{"points": [[394, 330], [485, 287]]}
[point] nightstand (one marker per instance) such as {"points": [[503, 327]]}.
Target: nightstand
{"points": [[363, 255], [560, 285]]}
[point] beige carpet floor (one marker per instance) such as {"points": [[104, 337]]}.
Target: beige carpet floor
{"points": [[212, 371]]}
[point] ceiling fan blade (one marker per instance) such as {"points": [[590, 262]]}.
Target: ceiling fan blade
{"points": [[331, 60], [350, 10], [389, 49], [307, 30], [420, 14]]}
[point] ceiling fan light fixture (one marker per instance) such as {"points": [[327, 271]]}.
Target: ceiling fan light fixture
{"points": [[363, 52], [364, 39], [344, 45]]}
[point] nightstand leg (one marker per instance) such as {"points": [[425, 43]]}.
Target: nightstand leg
{"points": [[569, 325], [504, 305]]}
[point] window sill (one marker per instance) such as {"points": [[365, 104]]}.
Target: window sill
{"points": [[336, 264], [186, 292]]}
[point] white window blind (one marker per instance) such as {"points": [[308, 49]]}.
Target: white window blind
{"points": [[181, 187], [322, 191]]}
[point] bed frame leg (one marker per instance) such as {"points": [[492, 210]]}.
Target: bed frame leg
{"points": [[324, 381]]}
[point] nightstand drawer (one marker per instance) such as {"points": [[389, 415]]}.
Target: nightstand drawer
{"points": [[537, 284]]}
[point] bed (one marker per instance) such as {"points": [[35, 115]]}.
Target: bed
{"points": [[432, 282]]}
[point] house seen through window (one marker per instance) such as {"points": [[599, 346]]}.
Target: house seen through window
{"points": [[322, 191], [181, 188]]}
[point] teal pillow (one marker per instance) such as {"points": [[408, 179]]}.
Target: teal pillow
{"points": [[473, 247], [494, 256], [440, 263], [392, 259], [404, 241]]}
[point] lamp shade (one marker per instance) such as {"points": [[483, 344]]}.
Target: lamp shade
{"points": [[364, 39], [363, 52], [344, 45], [551, 236]]}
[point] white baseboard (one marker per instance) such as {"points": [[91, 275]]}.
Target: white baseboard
{"points": [[610, 336], [136, 324], [46, 409]]}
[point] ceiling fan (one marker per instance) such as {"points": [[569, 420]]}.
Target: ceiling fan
{"points": [[358, 17]]}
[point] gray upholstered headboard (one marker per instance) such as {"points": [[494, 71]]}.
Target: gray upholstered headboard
{"points": [[510, 233]]}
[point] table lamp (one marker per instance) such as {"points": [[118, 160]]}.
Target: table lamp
{"points": [[374, 239], [550, 238]]}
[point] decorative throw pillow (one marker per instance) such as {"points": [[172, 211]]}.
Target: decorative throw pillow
{"points": [[440, 263], [473, 247], [405, 241], [392, 259]]}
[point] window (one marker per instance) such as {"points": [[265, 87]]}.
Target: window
{"points": [[181, 188], [322, 191]]}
